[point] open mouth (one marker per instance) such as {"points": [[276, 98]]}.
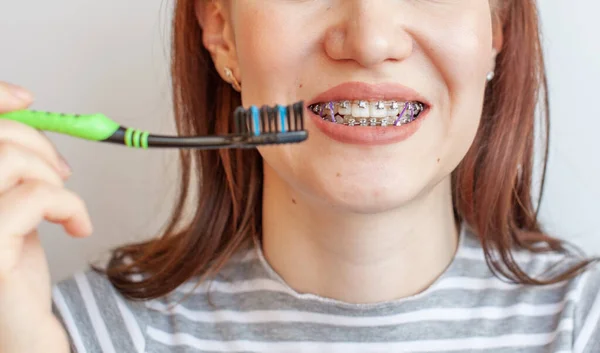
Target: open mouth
{"points": [[368, 113]]}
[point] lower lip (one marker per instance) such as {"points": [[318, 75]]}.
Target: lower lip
{"points": [[368, 135]]}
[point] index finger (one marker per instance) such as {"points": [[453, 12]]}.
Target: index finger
{"points": [[31, 139]]}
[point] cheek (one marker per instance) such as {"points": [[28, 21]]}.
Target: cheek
{"points": [[270, 53], [462, 46], [461, 52]]}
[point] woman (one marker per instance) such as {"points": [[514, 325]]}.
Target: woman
{"points": [[421, 237]]}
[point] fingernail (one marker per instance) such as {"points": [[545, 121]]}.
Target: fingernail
{"points": [[21, 93]]}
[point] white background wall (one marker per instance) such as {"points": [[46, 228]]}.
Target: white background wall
{"points": [[111, 56], [572, 202]]}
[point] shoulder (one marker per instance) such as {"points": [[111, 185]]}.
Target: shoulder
{"points": [[96, 317], [578, 296], [586, 314], [570, 308]]}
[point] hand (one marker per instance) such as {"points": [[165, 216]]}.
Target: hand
{"points": [[32, 176]]}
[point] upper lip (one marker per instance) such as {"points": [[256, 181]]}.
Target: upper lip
{"points": [[369, 92]]}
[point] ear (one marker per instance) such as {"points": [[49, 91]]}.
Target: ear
{"points": [[217, 35], [497, 40], [498, 18]]}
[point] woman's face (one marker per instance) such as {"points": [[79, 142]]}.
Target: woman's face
{"points": [[376, 55]]}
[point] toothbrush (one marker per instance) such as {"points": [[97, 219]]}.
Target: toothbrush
{"points": [[252, 127]]}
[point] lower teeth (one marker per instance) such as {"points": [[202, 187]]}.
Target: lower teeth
{"points": [[389, 121]]}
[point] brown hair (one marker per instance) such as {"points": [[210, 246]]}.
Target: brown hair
{"points": [[491, 186]]}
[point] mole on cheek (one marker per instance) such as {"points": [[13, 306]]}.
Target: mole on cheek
{"points": [[338, 174], [294, 201]]}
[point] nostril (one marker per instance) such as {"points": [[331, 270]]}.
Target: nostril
{"points": [[334, 44]]}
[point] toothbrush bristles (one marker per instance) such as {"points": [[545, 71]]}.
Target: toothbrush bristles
{"points": [[269, 119]]}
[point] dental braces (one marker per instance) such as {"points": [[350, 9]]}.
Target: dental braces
{"points": [[399, 113]]}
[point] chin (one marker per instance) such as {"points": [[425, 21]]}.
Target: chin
{"points": [[353, 195], [352, 182]]}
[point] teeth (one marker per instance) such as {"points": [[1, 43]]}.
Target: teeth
{"points": [[364, 113], [394, 109], [360, 109], [344, 108], [377, 110]]}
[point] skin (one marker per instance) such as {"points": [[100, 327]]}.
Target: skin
{"points": [[32, 176], [340, 219]]}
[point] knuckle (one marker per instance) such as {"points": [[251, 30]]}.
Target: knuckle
{"points": [[8, 152], [37, 190]]}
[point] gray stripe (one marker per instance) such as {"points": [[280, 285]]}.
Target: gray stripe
{"points": [[157, 347], [72, 296], [269, 300], [298, 331], [589, 294], [110, 313]]}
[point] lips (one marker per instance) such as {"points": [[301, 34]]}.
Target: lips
{"points": [[374, 123], [354, 91]]}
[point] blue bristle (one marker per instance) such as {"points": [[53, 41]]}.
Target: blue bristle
{"points": [[282, 116], [255, 120]]}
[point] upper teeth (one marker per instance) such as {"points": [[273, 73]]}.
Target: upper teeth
{"points": [[360, 112]]}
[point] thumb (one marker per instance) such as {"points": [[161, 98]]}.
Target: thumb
{"points": [[13, 97]]}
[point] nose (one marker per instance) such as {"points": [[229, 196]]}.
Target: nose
{"points": [[368, 32]]}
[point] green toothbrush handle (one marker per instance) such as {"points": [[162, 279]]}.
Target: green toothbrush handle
{"points": [[95, 127]]}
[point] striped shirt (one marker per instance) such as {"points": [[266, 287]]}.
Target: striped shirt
{"points": [[249, 308]]}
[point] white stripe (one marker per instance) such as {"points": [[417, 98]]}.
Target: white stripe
{"points": [[442, 345], [288, 316], [581, 284], [131, 323], [245, 286], [478, 254], [479, 284], [591, 324], [94, 313], [251, 255], [63, 308]]}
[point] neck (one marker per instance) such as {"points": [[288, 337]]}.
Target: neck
{"points": [[353, 257]]}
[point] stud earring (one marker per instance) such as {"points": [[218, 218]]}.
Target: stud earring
{"points": [[236, 85], [490, 76]]}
